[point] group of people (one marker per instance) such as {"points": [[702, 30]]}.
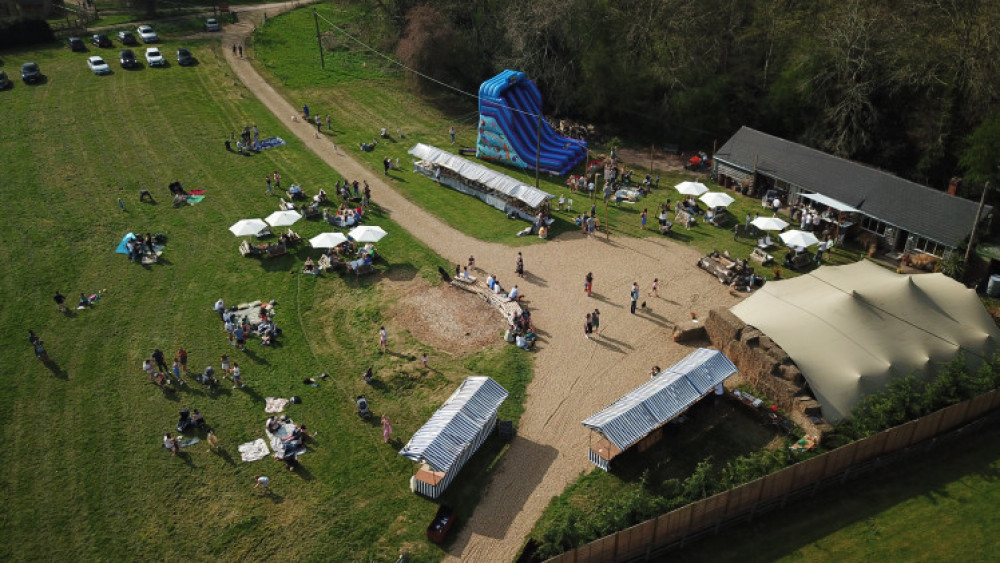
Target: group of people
{"points": [[292, 444], [239, 328], [248, 141], [138, 247]]}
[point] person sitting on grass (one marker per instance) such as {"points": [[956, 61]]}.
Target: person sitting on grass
{"points": [[309, 267], [171, 443], [369, 375]]}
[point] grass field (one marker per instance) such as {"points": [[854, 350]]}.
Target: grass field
{"points": [[84, 475]]}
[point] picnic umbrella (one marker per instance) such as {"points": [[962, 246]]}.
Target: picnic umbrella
{"points": [[327, 240], [800, 239], [769, 223], [283, 218], [717, 199], [367, 233], [247, 227], [691, 188]]}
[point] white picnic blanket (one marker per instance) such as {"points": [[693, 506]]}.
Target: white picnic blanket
{"points": [[252, 451], [274, 404], [275, 437]]}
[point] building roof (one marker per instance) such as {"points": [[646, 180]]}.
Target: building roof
{"points": [[477, 172], [929, 213], [851, 329], [656, 402], [453, 428]]}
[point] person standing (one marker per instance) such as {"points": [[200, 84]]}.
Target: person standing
{"points": [[383, 339], [588, 327], [270, 190], [519, 266], [329, 127], [318, 123], [262, 481], [366, 200], [161, 364], [588, 283], [176, 369], [386, 429], [656, 287], [451, 131], [423, 359], [234, 48], [634, 296], [240, 49], [225, 365], [277, 180], [386, 163], [642, 219], [237, 376], [595, 319], [60, 300], [305, 110], [182, 356]]}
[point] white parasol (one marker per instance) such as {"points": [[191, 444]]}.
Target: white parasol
{"points": [[799, 239], [283, 218], [691, 188], [327, 240], [248, 227], [769, 223], [367, 233], [717, 199]]}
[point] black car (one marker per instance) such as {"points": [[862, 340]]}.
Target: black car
{"points": [[184, 57], [127, 58], [30, 73], [101, 40], [75, 44], [127, 38], [4, 81]]}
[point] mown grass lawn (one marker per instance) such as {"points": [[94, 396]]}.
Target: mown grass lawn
{"points": [[83, 472]]}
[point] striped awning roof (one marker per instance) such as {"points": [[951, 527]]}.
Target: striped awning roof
{"points": [[454, 427], [484, 175], [654, 403]]}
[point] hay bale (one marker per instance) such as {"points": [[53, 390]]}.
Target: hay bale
{"points": [[791, 373], [689, 331], [808, 406], [723, 326], [751, 336]]}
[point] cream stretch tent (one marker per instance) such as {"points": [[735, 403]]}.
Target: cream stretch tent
{"points": [[851, 329], [654, 403], [475, 179], [453, 434]]}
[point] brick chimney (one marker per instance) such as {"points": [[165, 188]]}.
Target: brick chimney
{"points": [[954, 184]]}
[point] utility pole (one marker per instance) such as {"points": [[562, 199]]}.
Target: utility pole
{"points": [[319, 43], [979, 211]]}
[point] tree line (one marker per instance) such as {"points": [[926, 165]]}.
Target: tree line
{"points": [[908, 86]]}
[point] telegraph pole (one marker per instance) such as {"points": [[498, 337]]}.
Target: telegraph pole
{"points": [[319, 43]]}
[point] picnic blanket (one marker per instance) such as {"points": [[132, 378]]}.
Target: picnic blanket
{"points": [[193, 199], [252, 451], [196, 192], [274, 404], [122, 249], [270, 143], [188, 442], [275, 437]]}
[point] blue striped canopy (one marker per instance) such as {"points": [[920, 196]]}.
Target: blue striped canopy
{"points": [[454, 427], [654, 403]]}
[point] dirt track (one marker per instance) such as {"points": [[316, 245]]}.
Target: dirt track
{"points": [[574, 377]]}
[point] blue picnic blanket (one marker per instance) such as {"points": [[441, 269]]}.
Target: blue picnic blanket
{"points": [[270, 143]]}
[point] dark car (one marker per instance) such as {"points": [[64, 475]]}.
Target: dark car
{"points": [[127, 38], [30, 73], [100, 40], [75, 44], [4, 81], [127, 58], [184, 57]]}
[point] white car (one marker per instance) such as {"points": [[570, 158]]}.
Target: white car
{"points": [[212, 25], [154, 58], [98, 65], [147, 34]]}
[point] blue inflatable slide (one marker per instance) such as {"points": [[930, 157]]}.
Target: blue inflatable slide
{"points": [[509, 105]]}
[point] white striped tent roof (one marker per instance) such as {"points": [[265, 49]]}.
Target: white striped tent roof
{"points": [[470, 170], [453, 428], [656, 402]]}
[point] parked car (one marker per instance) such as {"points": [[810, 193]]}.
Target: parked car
{"points": [[212, 24], [75, 44], [100, 40], [127, 58], [147, 34], [4, 81], [30, 73], [127, 38], [154, 58], [98, 65], [184, 57]]}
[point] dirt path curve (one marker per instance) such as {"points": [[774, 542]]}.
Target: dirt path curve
{"points": [[574, 377]]}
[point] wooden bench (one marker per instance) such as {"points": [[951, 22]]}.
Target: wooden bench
{"points": [[760, 256], [310, 213], [275, 250], [293, 237], [471, 280]]}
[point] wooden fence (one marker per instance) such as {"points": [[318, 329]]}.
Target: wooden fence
{"points": [[708, 515]]}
